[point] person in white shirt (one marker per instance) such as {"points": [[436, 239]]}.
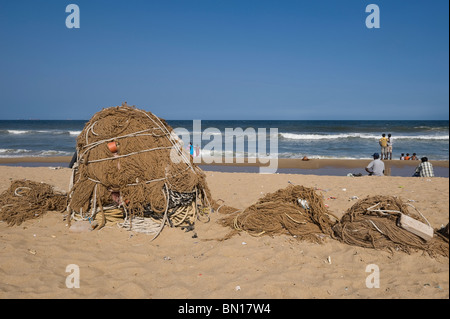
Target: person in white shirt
{"points": [[376, 167], [389, 147]]}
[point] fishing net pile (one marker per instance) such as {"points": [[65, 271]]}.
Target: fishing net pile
{"points": [[25, 200], [295, 210], [373, 222], [300, 212], [131, 169]]}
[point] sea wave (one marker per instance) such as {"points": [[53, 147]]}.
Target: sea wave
{"points": [[17, 131], [280, 155], [48, 132], [9, 153], [299, 136]]}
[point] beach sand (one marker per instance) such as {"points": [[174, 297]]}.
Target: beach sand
{"points": [[116, 263]]}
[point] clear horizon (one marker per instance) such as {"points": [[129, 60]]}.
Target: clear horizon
{"points": [[234, 60]]}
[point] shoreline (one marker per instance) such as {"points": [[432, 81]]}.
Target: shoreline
{"points": [[334, 167], [282, 162], [321, 163]]}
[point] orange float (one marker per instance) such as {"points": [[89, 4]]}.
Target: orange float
{"points": [[112, 146]]}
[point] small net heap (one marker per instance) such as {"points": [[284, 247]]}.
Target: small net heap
{"points": [[25, 200], [373, 222], [131, 169], [295, 210]]}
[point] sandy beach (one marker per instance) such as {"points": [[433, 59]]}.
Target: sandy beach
{"points": [[116, 263], [200, 153]]}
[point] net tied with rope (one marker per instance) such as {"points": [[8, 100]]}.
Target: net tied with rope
{"points": [[131, 169]]}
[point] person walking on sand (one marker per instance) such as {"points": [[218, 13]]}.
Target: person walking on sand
{"points": [[389, 146], [384, 146], [424, 169], [376, 167]]}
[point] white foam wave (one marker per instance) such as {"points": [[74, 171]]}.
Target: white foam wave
{"points": [[52, 132], [53, 153], [287, 155], [8, 152], [18, 132], [294, 136]]}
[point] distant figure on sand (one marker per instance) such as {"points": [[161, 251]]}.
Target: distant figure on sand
{"points": [[402, 157], [425, 169], [197, 150], [384, 146], [407, 157], [389, 146], [191, 149], [414, 157], [376, 167]]}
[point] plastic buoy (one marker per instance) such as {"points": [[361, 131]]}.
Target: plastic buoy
{"points": [[112, 146]]}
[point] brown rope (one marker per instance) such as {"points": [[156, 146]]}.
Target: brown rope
{"points": [[281, 213], [372, 228], [25, 200]]}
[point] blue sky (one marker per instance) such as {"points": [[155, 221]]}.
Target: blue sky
{"points": [[233, 59]]}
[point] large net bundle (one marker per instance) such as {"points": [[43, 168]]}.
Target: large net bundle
{"points": [[131, 168], [373, 222], [25, 200], [295, 210]]}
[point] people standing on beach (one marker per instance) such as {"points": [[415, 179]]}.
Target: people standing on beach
{"points": [[384, 146], [414, 157], [389, 146], [402, 157], [376, 167], [424, 169], [407, 157], [191, 149]]}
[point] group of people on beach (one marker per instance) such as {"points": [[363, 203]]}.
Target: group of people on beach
{"points": [[386, 144], [377, 167], [408, 157], [194, 151]]}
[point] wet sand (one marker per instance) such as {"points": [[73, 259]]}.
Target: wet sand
{"points": [[333, 167]]}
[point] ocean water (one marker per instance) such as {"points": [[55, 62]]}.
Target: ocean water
{"points": [[296, 139]]}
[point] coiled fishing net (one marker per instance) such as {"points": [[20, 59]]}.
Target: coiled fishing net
{"points": [[131, 160], [295, 210], [373, 223], [25, 200]]}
